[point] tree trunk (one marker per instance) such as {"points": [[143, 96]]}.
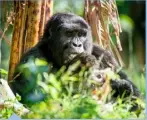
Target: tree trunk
{"points": [[99, 15], [30, 18]]}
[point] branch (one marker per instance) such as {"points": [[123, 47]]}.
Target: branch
{"points": [[4, 37]]}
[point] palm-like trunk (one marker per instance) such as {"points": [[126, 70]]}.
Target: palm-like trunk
{"points": [[100, 14]]}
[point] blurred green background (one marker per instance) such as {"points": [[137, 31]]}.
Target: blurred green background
{"points": [[132, 17]]}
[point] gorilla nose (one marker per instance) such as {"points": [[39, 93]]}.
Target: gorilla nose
{"points": [[76, 44]]}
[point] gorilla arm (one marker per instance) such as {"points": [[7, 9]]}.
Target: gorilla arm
{"points": [[108, 61]]}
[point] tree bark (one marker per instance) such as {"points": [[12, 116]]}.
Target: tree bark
{"points": [[30, 19]]}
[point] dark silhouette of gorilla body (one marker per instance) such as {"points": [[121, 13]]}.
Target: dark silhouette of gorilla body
{"points": [[65, 36]]}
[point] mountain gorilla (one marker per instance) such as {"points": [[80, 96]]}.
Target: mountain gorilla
{"points": [[65, 36]]}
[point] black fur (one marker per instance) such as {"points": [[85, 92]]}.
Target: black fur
{"points": [[64, 35]]}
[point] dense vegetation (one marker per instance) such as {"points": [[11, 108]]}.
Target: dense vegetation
{"points": [[75, 95]]}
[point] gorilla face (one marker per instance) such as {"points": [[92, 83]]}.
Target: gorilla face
{"points": [[69, 36], [73, 40]]}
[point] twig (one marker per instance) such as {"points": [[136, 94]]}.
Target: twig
{"points": [[5, 38]]}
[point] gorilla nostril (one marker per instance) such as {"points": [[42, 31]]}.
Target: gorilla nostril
{"points": [[79, 45], [74, 44]]}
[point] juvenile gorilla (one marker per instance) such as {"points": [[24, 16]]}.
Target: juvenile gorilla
{"points": [[66, 35]]}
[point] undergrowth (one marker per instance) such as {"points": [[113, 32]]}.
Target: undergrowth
{"points": [[73, 94]]}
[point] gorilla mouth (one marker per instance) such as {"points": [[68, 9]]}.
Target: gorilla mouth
{"points": [[70, 53]]}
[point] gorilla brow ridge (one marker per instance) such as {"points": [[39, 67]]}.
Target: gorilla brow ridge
{"points": [[68, 26]]}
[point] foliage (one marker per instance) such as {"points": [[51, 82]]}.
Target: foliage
{"points": [[83, 107], [70, 95], [3, 73], [7, 109]]}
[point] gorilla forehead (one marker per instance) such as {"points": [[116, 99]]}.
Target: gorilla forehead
{"points": [[68, 20]]}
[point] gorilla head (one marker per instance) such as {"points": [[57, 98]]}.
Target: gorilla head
{"points": [[67, 36]]}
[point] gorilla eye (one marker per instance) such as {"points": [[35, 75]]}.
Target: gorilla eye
{"points": [[81, 34], [69, 33]]}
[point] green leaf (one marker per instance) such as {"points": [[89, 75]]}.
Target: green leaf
{"points": [[53, 92], [4, 72], [40, 62]]}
